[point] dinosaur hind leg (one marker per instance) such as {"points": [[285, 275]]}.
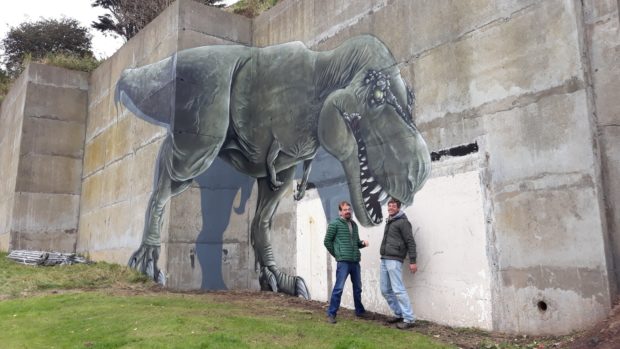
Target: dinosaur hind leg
{"points": [[271, 278]]}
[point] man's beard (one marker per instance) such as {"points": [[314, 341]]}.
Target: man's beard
{"points": [[347, 216]]}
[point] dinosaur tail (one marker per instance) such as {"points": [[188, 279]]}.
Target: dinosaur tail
{"points": [[149, 91]]}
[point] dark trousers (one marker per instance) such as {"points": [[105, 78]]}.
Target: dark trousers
{"points": [[343, 270]]}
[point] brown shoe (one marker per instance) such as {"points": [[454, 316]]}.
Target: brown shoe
{"points": [[405, 325], [331, 319], [394, 320]]}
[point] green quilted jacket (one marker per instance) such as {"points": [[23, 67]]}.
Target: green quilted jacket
{"points": [[342, 244]]}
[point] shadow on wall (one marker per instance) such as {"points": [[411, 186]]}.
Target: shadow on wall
{"points": [[219, 186], [329, 179]]}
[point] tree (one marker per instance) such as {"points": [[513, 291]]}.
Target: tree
{"points": [[44, 37], [127, 17]]}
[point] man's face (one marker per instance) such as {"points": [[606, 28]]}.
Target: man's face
{"points": [[392, 208], [345, 212]]}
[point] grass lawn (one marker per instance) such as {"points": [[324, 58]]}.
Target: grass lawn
{"points": [[108, 306]]}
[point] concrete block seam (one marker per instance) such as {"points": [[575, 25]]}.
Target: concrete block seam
{"points": [[225, 38], [471, 32], [568, 86], [334, 30]]}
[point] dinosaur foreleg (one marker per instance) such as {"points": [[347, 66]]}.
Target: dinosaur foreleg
{"points": [[145, 258], [301, 187], [271, 278], [272, 154]]}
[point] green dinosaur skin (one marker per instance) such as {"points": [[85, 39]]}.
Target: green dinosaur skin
{"points": [[265, 110]]}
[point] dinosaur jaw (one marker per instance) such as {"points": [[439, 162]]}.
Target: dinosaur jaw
{"points": [[367, 195]]}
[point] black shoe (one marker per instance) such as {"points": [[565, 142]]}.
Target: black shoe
{"points": [[331, 319], [365, 316], [394, 320], [405, 325]]}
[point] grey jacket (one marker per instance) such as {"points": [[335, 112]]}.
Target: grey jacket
{"points": [[398, 239]]}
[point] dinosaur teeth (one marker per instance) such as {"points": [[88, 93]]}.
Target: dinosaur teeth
{"points": [[383, 196], [376, 190]]}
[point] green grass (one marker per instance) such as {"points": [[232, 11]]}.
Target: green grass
{"points": [[101, 320], [106, 315], [17, 279]]}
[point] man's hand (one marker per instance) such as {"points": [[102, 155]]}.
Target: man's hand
{"points": [[365, 243], [413, 268]]}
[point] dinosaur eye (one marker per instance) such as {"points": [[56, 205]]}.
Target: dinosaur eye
{"points": [[378, 95], [380, 87]]}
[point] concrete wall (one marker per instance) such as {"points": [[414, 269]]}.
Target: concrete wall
{"points": [[485, 72], [49, 138], [120, 150], [120, 164], [519, 236], [11, 120], [602, 45]]}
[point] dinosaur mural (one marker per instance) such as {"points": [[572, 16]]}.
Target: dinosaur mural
{"points": [[266, 110]]}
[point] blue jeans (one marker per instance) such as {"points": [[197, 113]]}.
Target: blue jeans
{"points": [[343, 270], [393, 289]]}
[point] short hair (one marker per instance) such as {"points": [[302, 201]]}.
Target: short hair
{"points": [[342, 204], [394, 201]]}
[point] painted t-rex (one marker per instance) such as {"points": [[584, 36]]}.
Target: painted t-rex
{"points": [[265, 110]]}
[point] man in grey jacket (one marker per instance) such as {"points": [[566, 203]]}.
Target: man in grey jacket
{"points": [[397, 243]]}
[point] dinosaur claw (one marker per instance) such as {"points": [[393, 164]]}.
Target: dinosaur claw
{"points": [[300, 193], [272, 279], [301, 289], [268, 280], [144, 260]]}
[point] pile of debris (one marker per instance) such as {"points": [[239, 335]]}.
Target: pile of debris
{"points": [[45, 258]]}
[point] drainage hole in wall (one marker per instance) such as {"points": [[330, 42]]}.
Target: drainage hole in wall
{"points": [[542, 306]]}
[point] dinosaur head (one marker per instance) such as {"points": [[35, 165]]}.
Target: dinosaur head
{"points": [[368, 126]]}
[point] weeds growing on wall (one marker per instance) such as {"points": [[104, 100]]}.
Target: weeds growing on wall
{"points": [[68, 61], [252, 8], [5, 83], [85, 64]]}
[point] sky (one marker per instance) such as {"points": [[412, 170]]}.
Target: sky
{"points": [[15, 12]]}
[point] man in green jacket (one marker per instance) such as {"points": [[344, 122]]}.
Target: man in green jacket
{"points": [[343, 243], [396, 244]]}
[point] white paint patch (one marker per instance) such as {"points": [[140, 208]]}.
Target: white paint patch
{"points": [[452, 285], [311, 254]]}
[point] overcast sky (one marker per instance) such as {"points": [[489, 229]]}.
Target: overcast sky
{"points": [[15, 12]]}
